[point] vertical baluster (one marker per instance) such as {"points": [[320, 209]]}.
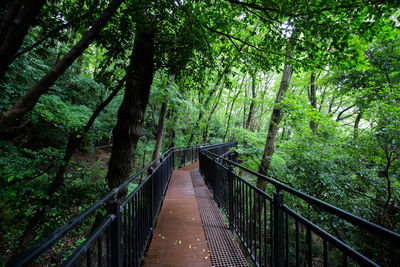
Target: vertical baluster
{"points": [[271, 217], [246, 221], [230, 195], [265, 233], [116, 250], [309, 246], [259, 229], [287, 239], [136, 220], [251, 221], [125, 236], [89, 257], [109, 246], [129, 244], [100, 250], [297, 244], [278, 229], [326, 253]]}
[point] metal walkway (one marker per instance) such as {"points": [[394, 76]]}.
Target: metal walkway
{"points": [[190, 230]]}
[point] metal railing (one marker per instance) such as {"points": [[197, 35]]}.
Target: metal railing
{"points": [[125, 231], [276, 235]]}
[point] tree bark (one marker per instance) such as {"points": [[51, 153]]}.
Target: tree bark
{"points": [[160, 131], [253, 99], [17, 30], [276, 117], [233, 103], [29, 100], [214, 106], [205, 105], [313, 101], [126, 133], [357, 123], [9, 16]]}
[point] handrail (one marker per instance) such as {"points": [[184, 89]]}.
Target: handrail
{"points": [[30, 255], [394, 237]]}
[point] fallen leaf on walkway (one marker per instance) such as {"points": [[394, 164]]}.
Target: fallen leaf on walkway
{"points": [[190, 246], [198, 239], [206, 257], [180, 242]]}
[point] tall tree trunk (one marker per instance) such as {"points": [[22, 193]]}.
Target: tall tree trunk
{"points": [[253, 99], [160, 131], [9, 16], [276, 117], [357, 123], [205, 105], [233, 103], [17, 30], [74, 141], [126, 133], [172, 133], [312, 95], [244, 106], [214, 106], [29, 100]]}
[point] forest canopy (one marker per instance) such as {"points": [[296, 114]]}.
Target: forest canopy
{"points": [[90, 91]]}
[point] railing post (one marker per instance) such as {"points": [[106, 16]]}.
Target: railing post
{"points": [[278, 230], [184, 157], [116, 249], [192, 155], [230, 185], [152, 196], [173, 159]]}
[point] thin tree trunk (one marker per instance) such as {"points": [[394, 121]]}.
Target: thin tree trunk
{"points": [[160, 131], [357, 123], [74, 141], [17, 30], [215, 105], [244, 106], [126, 133], [313, 101], [29, 100], [51, 33], [205, 105], [233, 103], [253, 99], [276, 117], [172, 132]]}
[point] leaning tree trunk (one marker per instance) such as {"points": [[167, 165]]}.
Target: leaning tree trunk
{"points": [[232, 104], [74, 140], [253, 99], [276, 117], [126, 133], [29, 100], [160, 132], [15, 27], [205, 105]]}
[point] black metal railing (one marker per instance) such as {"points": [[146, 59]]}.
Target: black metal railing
{"points": [[125, 231], [276, 235]]}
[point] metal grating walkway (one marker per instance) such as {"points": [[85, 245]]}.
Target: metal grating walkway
{"points": [[221, 242]]}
